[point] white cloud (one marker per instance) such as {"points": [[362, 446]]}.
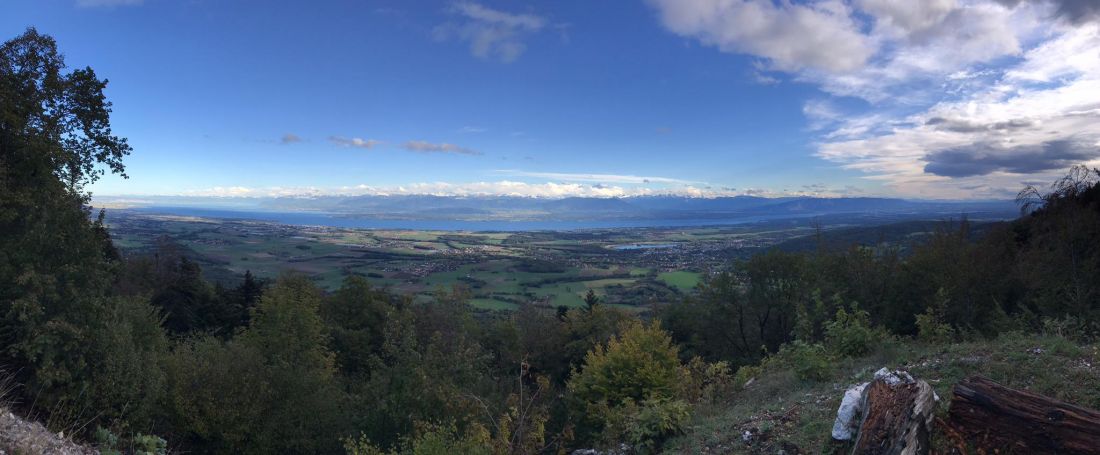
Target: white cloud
{"points": [[792, 37], [962, 98], [354, 142], [595, 178], [1018, 127], [290, 138], [908, 17], [491, 34], [549, 190]]}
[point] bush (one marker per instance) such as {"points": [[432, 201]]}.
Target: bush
{"points": [[931, 325], [745, 374], [707, 382], [647, 425], [429, 440], [106, 441], [810, 362], [147, 444], [639, 366], [1081, 330], [932, 329], [850, 334]]}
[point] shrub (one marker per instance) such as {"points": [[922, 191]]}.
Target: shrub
{"points": [[850, 333], [932, 329], [1082, 330], [147, 444], [745, 374], [430, 439], [638, 366], [645, 426], [106, 441], [706, 381], [810, 362], [931, 325]]}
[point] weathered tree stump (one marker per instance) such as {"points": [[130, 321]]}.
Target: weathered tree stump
{"points": [[896, 419], [994, 418]]}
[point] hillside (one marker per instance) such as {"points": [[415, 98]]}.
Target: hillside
{"points": [[778, 411]]}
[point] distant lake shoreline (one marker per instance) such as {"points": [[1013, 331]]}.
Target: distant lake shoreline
{"points": [[337, 220]]}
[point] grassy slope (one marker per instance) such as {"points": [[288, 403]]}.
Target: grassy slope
{"points": [[786, 411]]}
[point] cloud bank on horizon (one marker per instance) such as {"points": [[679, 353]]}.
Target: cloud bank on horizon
{"points": [[941, 98], [566, 187]]}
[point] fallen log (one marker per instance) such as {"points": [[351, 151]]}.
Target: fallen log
{"points": [[998, 419]]}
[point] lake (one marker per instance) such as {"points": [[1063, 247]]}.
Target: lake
{"points": [[344, 221]]}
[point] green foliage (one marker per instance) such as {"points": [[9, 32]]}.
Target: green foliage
{"points": [[427, 366], [850, 333], [1073, 328], [429, 440], [707, 382], [639, 365], [718, 324], [584, 330], [141, 444], [55, 262], [646, 425], [356, 316], [931, 326], [810, 362], [147, 444], [591, 300], [127, 380], [106, 441], [272, 389], [745, 374]]}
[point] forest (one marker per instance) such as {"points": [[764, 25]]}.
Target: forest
{"points": [[138, 353]]}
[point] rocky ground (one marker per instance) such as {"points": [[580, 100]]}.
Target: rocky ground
{"points": [[19, 436]]}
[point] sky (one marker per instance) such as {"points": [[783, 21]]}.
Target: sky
{"points": [[936, 99]]}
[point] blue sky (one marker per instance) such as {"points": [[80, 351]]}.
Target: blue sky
{"points": [[937, 99]]}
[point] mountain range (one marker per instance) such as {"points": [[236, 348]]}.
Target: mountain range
{"points": [[429, 207]]}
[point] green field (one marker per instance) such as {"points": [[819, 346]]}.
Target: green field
{"points": [[681, 279], [501, 270]]}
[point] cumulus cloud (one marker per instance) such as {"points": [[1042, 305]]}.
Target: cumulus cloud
{"points": [[290, 138], [1036, 117], [790, 36], [354, 142], [908, 17], [962, 98], [428, 147], [490, 33]]}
